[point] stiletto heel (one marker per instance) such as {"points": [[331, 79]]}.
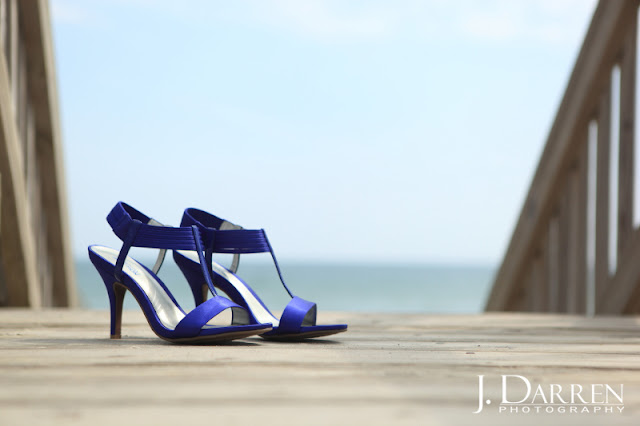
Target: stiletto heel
{"points": [[204, 294], [116, 313], [298, 320], [116, 293], [121, 273]]}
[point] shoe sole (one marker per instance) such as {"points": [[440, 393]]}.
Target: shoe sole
{"points": [[225, 337], [302, 336]]}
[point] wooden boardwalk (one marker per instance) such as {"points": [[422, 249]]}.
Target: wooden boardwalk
{"points": [[58, 367]]}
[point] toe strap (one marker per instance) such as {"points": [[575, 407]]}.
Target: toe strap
{"points": [[298, 313], [192, 323]]}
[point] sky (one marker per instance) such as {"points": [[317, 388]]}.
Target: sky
{"points": [[351, 131]]}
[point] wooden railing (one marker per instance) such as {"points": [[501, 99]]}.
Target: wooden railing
{"points": [[576, 246], [35, 258]]}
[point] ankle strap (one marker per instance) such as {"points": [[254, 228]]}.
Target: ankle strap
{"points": [[139, 230], [136, 229]]}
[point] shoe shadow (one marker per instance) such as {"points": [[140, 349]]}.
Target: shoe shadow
{"points": [[309, 341], [126, 341]]}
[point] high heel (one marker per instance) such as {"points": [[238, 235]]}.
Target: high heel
{"points": [[121, 273], [298, 320], [116, 292]]}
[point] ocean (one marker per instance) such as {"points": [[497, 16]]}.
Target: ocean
{"points": [[333, 286]]}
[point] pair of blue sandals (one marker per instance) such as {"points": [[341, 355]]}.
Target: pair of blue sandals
{"points": [[214, 319]]}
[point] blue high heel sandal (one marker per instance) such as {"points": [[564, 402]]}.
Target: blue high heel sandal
{"points": [[121, 273], [298, 320]]}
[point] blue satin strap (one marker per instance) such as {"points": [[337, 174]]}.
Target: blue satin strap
{"points": [[297, 314], [234, 241], [122, 217], [237, 241], [202, 219], [136, 229], [126, 246], [192, 323], [193, 216]]}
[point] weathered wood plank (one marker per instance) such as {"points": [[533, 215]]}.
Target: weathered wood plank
{"points": [[58, 367]]}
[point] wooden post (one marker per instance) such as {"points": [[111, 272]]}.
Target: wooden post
{"points": [[528, 289], [538, 280], [553, 264], [576, 282], [602, 195], [573, 231], [627, 119], [564, 234]]}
